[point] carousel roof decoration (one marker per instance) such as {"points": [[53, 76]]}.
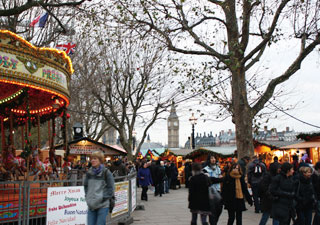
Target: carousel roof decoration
{"points": [[33, 81]]}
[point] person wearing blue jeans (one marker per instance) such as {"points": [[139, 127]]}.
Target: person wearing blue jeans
{"points": [[98, 216], [99, 190], [265, 218]]}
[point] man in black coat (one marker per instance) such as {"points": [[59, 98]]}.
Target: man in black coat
{"points": [[187, 172], [174, 175], [161, 174], [198, 197], [154, 171]]}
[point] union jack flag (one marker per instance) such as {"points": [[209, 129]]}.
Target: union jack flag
{"points": [[68, 48]]}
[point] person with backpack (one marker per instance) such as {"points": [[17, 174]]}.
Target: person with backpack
{"points": [[99, 190], [118, 169], [213, 171], [256, 170]]}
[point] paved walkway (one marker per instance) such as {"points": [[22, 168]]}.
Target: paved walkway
{"points": [[172, 209]]}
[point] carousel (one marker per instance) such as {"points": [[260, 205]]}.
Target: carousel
{"points": [[33, 92]]}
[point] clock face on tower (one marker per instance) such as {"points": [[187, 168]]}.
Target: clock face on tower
{"points": [[175, 123], [169, 123], [78, 130]]}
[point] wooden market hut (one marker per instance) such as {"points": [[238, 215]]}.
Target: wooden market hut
{"points": [[310, 145], [82, 148], [269, 149], [201, 154]]}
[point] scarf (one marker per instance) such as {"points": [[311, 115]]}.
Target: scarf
{"points": [[237, 175], [96, 171]]}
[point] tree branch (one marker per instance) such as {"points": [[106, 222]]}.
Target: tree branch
{"points": [[33, 3], [294, 67], [268, 36]]}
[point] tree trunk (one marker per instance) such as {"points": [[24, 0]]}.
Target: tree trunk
{"points": [[128, 148], [242, 115]]}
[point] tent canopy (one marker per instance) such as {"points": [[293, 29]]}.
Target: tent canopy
{"points": [[305, 144]]}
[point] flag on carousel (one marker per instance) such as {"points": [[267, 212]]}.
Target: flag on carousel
{"points": [[40, 21], [68, 48]]}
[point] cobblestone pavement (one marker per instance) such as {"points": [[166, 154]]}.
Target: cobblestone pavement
{"points": [[172, 209]]}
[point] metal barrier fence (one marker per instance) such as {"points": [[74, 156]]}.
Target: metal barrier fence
{"points": [[25, 202]]}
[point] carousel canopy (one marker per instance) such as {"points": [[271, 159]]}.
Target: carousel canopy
{"points": [[33, 81]]}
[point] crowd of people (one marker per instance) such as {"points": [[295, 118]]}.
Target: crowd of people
{"points": [[288, 193], [160, 175]]}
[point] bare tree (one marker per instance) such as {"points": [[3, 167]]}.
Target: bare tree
{"points": [[84, 107], [232, 36], [16, 16], [128, 78]]}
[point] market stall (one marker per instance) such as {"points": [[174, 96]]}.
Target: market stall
{"points": [[310, 146], [82, 148], [267, 150]]}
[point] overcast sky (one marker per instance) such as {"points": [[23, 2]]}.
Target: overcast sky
{"points": [[302, 88]]}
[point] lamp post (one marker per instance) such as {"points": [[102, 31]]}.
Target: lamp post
{"points": [[193, 121]]}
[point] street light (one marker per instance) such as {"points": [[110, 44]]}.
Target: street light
{"points": [[193, 121]]}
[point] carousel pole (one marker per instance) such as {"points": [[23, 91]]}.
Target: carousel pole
{"points": [[38, 120], [11, 128], [49, 134], [53, 131], [28, 127], [3, 135], [64, 130], [22, 138]]}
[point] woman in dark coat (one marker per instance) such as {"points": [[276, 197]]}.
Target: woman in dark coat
{"points": [[316, 187], [234, 190], [198, 195], [265, 195], [306, 198], [145, 179], [282, 189]]}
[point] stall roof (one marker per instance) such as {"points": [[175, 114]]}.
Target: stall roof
{"points": [[181, 151], [223, 150], [277, 144], [305, 144], [154, 150], [119, 148], [116, 149]]}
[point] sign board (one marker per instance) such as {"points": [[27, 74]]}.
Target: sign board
{"points": [[87, 149], [122, 198], [66, 205], [133, 193]]}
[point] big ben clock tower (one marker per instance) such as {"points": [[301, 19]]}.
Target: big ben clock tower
{"points": [[173, 128]]}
